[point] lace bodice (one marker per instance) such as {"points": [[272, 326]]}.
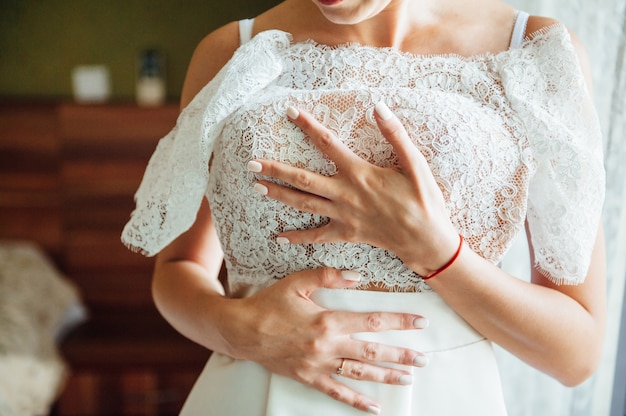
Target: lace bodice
{"points": [[508, 136]]}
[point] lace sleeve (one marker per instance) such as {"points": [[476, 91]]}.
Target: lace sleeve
{"points": [[566, 193], [176, 177]]}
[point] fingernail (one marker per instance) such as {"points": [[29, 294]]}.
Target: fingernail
{"points": [[405, 380], [292, 112], [282, 240], [373, 410], [383, 111], [420, 323], [262, 189], [350, 276], [254, 166], [420, 361]]}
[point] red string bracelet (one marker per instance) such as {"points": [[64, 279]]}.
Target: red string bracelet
{"points": [[448, 264]]}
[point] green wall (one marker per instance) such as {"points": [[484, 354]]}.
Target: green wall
{"points": [[42, 40]]}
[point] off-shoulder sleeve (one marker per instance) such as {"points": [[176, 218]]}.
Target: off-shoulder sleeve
{"points": [[177, 174], [566, 193]]}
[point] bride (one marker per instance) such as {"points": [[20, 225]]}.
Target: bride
{"points": [[362, 166]]}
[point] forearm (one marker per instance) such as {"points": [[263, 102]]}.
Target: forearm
{"points": [[542, 326], [191, 300]]}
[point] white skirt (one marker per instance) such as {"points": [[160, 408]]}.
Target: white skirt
{"points": [[461, 377]]}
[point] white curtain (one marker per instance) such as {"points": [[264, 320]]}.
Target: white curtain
{"points": [[601, 25]]}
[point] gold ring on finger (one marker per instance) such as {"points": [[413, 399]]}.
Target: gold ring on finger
{"points": [[340, 368]]}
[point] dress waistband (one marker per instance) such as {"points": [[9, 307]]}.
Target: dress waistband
{"points": [[446, 329]]}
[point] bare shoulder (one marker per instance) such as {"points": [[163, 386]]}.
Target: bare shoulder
{"points": [[537, 23], [216, 49], [211, 54]]}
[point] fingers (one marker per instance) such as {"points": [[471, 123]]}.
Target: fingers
{"points": [[377, 321], [320, 338], [308, 281], [373, 352], [315, 193], [409, 157], [344, 394], [359, 370], [330, 324], [311, 183], [299, 200], [325, 140]]}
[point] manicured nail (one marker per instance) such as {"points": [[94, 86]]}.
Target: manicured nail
{"points": [[373, 410], [420, 323], [383, 111], [254, 166], [420, 361], [350, 276], [282, 240], [262, 189], [405, 380], [292, 112]]}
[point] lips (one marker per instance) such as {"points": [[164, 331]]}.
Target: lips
{"points": [[329, 2]]}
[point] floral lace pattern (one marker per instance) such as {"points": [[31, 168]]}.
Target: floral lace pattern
{"points": [[508, 136]]}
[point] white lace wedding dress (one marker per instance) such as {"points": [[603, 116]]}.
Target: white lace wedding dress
{"points": [[509, 137]]}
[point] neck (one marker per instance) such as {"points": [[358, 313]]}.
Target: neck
{"points": [[392, 27], [467, 27]]}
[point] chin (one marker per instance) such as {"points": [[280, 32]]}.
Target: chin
{"points": [[340, 13]]}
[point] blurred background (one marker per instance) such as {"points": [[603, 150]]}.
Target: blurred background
{"points": [[41, 42], [87, 88]]}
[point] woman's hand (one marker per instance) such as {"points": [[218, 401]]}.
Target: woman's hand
{"points": [[400, 209], [285, 331]]}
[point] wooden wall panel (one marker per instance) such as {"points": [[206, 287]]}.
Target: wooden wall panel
{"points": [[67, 178], [127, 344], [105, 149], [29, 174]]}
